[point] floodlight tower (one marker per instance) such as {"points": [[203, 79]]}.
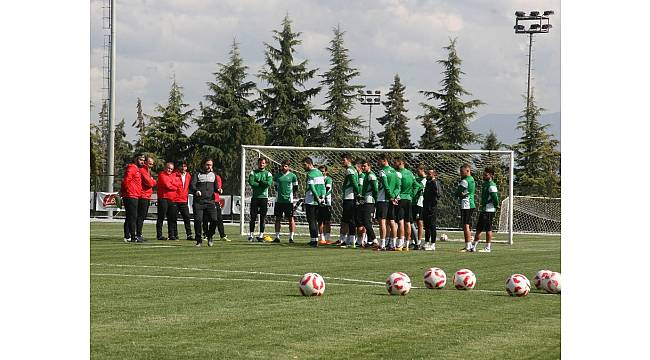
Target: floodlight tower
{"points": [[108, 19], [370, 98], [538, 24]]}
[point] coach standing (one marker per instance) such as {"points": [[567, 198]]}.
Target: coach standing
{"points": [[203, 187], [131, 188], [148, 182], [168, 184]]}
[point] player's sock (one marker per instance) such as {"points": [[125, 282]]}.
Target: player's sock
{"points": [[342, 237], [383, 243], [474, 243], [468, 245], [352, 239], [487, 246], [291, 235], [277, 235], [261, 234], [364, 238]]}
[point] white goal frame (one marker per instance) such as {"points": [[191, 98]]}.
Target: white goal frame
{"points": [[260, 148]]}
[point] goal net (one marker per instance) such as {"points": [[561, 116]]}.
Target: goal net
{"points": [[531, 214], [446, 162]]}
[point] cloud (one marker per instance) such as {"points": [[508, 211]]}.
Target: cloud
{"points": [[157, 39]]}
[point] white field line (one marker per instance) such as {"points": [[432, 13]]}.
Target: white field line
{"points": [[232, 271], [215, 278], [365, 282]]}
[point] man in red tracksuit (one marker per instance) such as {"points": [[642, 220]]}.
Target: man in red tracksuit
{"points": [[167, 188], [181, 198], [131, 190], [148, 182]]}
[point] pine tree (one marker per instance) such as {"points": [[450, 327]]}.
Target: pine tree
{"points": [[428, 139], [341, 129], [226, 122], [372, 142], [537, 162], [396, 134], [164, 135], [139, 124], [452, 116], [491, 142], [285, 110]]}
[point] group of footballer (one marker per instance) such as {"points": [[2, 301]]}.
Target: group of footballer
{"points": [[404, 204]]}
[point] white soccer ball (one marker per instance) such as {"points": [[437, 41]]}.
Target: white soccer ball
{"points": [[517, 285], [444, 237], [398, 283], [553, 283], [464, 279], [311, 284], [542, 274], [435, 278]]}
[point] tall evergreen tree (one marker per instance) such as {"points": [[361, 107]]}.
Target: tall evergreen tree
{"points": [[164, 134], [139, 124], [491, 142], [428, 139], [453, 115], [285, 109], [226, 121], [396, 134], [537, 160], [341, 129], [372, 142]]}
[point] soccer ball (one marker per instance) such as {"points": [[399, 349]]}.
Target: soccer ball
{"points": [[542, 274], [464, 279], [311, 284], [444, 237], [398, 283], [517, 285], [553, 283], [435, 278]]}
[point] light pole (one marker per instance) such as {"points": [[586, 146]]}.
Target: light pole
{"points": [[538, 24], [370, 98]]}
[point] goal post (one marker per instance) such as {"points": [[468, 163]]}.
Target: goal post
{"points": [[446, 162]]}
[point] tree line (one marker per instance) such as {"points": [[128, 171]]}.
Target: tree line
{"points": [[236, 111]]}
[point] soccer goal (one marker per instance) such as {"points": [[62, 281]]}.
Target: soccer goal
{"points": [[538, 215], [446, 162]]}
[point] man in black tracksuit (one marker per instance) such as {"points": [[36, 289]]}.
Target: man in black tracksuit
{"points": [[203, 186], [432, 191]]}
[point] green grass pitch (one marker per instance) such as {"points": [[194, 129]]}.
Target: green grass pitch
{"points": [[237, 300]]}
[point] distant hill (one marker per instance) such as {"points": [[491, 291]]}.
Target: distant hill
{"points": [[505, 126]]}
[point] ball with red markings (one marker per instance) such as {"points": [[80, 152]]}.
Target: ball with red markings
{"points": [[517, 285], [542, 274], [435, 278], [553, 283], [398, 283], [311, 284], [464, 279]]}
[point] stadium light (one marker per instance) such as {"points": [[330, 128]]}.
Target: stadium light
{"points": [[538, 24], [370, 98]]}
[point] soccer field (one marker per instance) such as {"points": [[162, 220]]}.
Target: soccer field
{"points": [[240, 300]]}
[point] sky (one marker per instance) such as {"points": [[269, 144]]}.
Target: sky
{"points": [[161, 39]]}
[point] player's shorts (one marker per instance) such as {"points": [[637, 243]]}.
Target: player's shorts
{"points": [[348, 212], [358, 214], [385, 210], [324, 213], [416, 212], [403, 211], [466, 216], [283, 210], [484, 222]]}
